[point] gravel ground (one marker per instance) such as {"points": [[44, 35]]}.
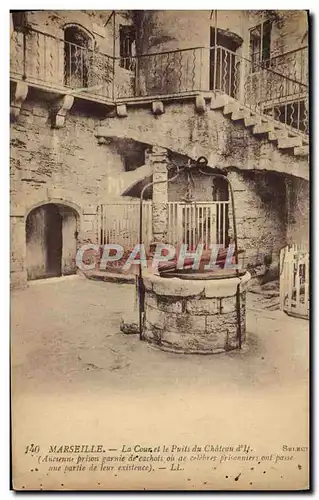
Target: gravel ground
{"points": [[75, 374]]}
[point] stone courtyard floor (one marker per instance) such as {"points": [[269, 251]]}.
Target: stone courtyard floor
{"points": [[76, 377]]}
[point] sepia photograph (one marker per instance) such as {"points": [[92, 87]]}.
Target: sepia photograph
{"points": [[159, 250]]}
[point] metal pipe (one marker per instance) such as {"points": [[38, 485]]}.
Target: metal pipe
{"points": [[239, 332], [140, 278], [113, 83], [215, 52]]}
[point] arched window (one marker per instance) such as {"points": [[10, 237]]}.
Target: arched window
{"points": [[78, 45]]}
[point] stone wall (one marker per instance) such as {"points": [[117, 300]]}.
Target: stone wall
{"points": [[68, 158], [194, 316], [183, 131], [64, 166], [260, 208], [260, 205], [202, 190], [297, 192]]}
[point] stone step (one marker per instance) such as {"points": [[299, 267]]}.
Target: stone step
{"points": [[219, 101], [240, 114], [305, 140], [252, 120], [275, 135], [285, 138], [263, 128], [301, 151], [289, 142], [230, 108]]}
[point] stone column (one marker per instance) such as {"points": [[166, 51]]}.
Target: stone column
{"points": [[89, 227], [159, 162]]}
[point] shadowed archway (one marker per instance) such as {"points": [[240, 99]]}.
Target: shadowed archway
{"points": [[51, 241]]}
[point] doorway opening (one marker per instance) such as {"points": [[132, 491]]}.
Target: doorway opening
{"points": [[51, 241], [225, 77], [78, 56]]}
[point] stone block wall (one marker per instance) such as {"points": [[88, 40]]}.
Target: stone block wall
{"points": [[260, 205], [202, 190], [64, 166], [194, 316], [260, 208], [297, 192], [68, 158]]}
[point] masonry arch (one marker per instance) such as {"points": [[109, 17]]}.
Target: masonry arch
{"points": [[52, 230]]}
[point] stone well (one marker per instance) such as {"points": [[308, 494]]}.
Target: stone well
{"points": [[194, 316]]}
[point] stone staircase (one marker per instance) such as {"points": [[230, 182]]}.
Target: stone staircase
{"points": [[284, 136]]}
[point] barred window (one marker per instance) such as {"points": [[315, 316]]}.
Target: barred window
{"points": [[77, 56], [260, 42], [127, 47]]}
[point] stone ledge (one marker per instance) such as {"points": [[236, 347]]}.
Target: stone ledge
{"points": [[179, 321], [226, 287], [109, 277]]}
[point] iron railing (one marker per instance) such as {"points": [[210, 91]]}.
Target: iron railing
{"points": [[42, 58], [166, 73], [264, 91], [293, 64], [190, 223], [261, 87], [264, 88]]}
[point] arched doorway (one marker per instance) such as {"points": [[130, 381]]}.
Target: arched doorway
{"points": [[51, 240]]}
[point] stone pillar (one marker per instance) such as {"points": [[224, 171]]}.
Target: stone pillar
{"points": [[89, 229], [159, 162], [18, 252]]}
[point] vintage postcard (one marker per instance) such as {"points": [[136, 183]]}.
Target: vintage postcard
{"points": [[159, 250]]}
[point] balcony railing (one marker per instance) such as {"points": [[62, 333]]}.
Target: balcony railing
{"points": [[293, 64], [260, 88], [44, 59], [40, 58], [166, 73]]}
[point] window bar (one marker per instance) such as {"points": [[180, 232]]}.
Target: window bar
{"points": [[82, 67], [196, 225], [220, 66], [189, 227], [224, 69], [215, 53], [224, 224], [298, 115], [102, 225], [113, 80], [218, 215], [200, 69], [194, 69], [297, 284], [70, 65]]}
